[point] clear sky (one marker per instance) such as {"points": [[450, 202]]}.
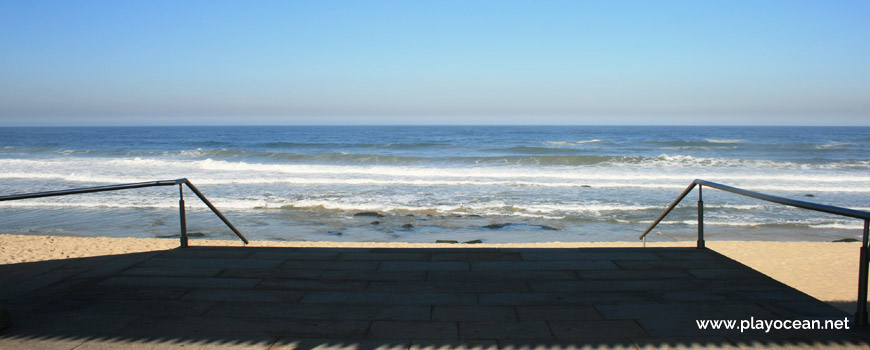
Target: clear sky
{"points": [[434, 62]]}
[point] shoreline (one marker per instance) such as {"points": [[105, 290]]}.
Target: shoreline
{"points": [[827, 271]]}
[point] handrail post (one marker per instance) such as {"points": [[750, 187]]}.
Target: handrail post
{"points": [[701, 244], [181, 216], [861, 313]]}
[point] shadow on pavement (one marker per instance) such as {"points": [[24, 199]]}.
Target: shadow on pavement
{"points": [[401, 298]]}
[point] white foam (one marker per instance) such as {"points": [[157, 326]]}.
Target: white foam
{"points": [[124, 170], [98, 203], [359, 203], [834, 144], [567, 143], [839, 226], [725, 140], [17, 167]]}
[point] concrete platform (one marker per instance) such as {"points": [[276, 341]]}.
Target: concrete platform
{"points": [[385, 298]]}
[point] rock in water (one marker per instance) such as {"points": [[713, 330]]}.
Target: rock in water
{"points": [[476, 241], [550, 228], [495, 226], [446, 241], [375, 222], [369, 213], [407, 226], [846, 240]]}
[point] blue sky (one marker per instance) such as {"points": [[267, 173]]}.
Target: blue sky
{"points": [[434, 62]]}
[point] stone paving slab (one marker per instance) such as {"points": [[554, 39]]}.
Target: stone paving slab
{"points": [[504, 330], [576, 255], [220, 327], [593, 329], [449, 286], [610, 275], [240, 294], [537, 298], [475, 256], [37, 282], [374, 275], [94, 292], [718, 274], [331, 265], [543, 265], [181, 262], [558, 313], [363, 256], [185, 282], [637, 311], [16, 273], [319, 285], [174, 271], [408, 298], [296, 255], [167, 308], [70, 323], [271, 273], [709, 296], [676, 264], [414, 329], [322, 311], [424, 266], [112, 266], [214, 253], [497, 275], [390, 298], [606, 285], [473, 313]]}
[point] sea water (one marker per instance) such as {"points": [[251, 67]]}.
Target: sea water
{"points": [[493, 183]]}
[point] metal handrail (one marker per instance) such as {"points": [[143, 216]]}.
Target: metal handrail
{"points": [[179, 182], [861, 314]]}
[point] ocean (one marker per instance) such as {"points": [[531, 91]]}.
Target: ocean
{"points": [[497, 184]]}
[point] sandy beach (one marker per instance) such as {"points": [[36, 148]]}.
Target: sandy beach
{"points": [[827, 271]]}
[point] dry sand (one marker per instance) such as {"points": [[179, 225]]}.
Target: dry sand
{"points": [[827, 271]]}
